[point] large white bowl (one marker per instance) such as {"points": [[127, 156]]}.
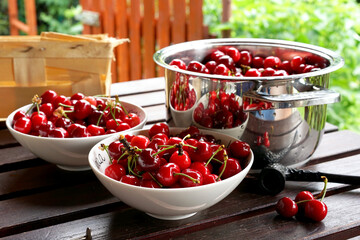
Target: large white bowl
{"points": [[169, 203], [67, 153]]}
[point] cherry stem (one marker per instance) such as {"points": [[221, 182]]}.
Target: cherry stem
{"points": [[64, 105], [122, 106], [323, 192], [132, 159], [103, 147], [225, 163], [185, 175], [98, 121], [155, 180], [212, 156]]}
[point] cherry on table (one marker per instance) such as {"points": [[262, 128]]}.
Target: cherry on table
{"points": [[315, 210], [286, 207]]}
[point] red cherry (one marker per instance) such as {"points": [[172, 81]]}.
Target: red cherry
{"points": [[221, 69], [156, 142], [195, 180], [178, 63], [132, 119], [91, 100], [148, 161], [232, 168], [280, 73], [195, 66], [61, 99], [181, 158], [245, 58], [23, 125], [47, 108], [211, 65], [272, 61], [201, 167], [63, 122], [202, 153], [286, 65], [58, 132], [77, 96], [268, 72], [166, 174], [122, 127], [112, 123], [45, 128], [115, 171], [216, 55], [130, 179], [159, 128], [82, 109], [315, 210], [80, 131], [140, 141], [296, 62], [19, 114], [233, 53], [115, 149], [162, 136], [240, 149], [48, 96], [149, 183], [253, 72], [286, 207], [258, 62], [227, 61], [210, 178], [37, 118], [95, 130]]}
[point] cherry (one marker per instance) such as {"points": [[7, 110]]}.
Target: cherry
{"points": [[156, 142], [159, 128], [23, 125], [222, 69], [231, 168], [210, 178], [162, 136], [77, 96], [45, 128], [58, 132], [195, 66], [132, 119], [149, 183], [268, 72], [115, 171], [227, 61], [181, 158], [315, 210], [280, 73], [296, 62], [80, 131], [202, 153], [63, 122], [190, 178], [166, 174], [211, 65], [95, 130], [112, 123], [61, 99], [82, 109], [91, 100], [37, 118], [178, 63], [47, 108], [233, 53], [140, 141], [48, 96], [286, 207], [258, 62], [201, 167], [19, 114], [286, 65], [122, 127], [240, 149], [245, 58], [215, 55], [253, 72], [272, 61], [148, 161], [130, 179]]}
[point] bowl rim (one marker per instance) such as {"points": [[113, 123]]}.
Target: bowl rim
{"points": [[93, 167], [9, 122], [336, 61]]}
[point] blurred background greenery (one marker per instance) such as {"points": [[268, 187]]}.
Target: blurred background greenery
{"points": [[331, 24]]}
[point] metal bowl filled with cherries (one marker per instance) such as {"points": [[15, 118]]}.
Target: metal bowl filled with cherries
{"points": [[283, 88]]}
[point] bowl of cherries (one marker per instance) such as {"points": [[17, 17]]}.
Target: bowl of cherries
{"points": [[221, 111], [62, 130], [171, 173]]}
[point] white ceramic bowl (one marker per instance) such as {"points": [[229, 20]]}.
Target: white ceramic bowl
{"points": [[67, 153], [235, 132], [169, 203]]}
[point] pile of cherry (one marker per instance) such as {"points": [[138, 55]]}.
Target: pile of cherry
{"points": [[182, 97], [306, 206], [222, 111], [58, 116], [162, 161], [230, 61]]}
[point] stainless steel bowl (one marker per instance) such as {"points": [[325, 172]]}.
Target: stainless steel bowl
{"points": [[295, 115]]}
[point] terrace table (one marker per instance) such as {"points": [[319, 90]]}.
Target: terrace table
{"points": [[40, 201]]}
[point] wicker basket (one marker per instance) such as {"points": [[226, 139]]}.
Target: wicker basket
{"points": [[67, 64]]}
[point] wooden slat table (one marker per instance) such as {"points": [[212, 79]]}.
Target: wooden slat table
{"points": [[40, 201]]}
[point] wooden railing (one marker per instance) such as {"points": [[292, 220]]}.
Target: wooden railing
{"points": [[30, 27], [149, 25]]}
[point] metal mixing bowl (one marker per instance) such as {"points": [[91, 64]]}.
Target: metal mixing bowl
{"points": [[295, 115]]}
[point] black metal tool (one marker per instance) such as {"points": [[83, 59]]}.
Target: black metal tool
{"points": [[272, 178]]}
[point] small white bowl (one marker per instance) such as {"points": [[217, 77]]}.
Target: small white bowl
{"points": [[169, 203], [67, 153], [235, 132]]}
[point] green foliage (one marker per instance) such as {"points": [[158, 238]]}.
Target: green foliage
{"points": [[331, 24], [58, 16]]}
